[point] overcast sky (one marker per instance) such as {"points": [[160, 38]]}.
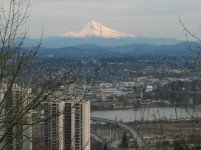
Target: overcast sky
{"points": [[151, 18]]}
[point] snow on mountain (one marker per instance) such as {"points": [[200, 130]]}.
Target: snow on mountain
{"points": [[98, 30]]}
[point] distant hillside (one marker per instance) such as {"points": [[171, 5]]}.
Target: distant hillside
{"points": [[80, 50], [58, 41], [181, 49]]}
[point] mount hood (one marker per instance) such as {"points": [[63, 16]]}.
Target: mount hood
{"points": [[95, 29]]}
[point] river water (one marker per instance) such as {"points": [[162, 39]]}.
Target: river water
{"points": [[148, 113]]}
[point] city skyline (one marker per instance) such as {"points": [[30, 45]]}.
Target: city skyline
{"points": [[153, 19]]}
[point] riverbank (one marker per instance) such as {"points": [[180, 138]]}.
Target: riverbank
{"points": [[126, 105], [102, 106]]}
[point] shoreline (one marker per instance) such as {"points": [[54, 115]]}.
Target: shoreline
{"points": [[121, 105]]}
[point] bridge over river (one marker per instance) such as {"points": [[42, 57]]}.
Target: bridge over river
{"points": [[137, 137]]}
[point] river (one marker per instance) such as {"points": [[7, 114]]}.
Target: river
{"points": [[147, 113]]}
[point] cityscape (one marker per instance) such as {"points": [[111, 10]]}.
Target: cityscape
{"points": [[113, 76]]}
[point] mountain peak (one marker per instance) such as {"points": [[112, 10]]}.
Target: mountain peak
{"points": [[93, 23], [96, 29]]}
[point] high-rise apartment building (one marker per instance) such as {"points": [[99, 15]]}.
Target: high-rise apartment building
{"points": [[67, 125], [63, 125], [15, 134], [51, 125]]}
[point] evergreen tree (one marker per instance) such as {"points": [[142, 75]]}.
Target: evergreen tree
{"points": [[124, 141], [105, 147]]}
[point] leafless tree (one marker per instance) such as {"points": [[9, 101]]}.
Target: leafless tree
{"points": [[191, 141], [18, 102]]}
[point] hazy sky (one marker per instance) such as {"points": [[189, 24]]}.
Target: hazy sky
{"points": [[152, 18]]}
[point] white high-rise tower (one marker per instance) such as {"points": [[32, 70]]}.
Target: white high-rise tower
{"points": [[69, 125]]}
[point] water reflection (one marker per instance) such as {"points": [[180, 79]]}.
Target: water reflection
{"points": [[152, 113]]}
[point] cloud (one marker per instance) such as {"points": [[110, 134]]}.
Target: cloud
{"points": [[134, 16], [124, 7]]}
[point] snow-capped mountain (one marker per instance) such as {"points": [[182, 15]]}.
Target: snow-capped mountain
{"points": [[94, 33], [97, 30]]}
